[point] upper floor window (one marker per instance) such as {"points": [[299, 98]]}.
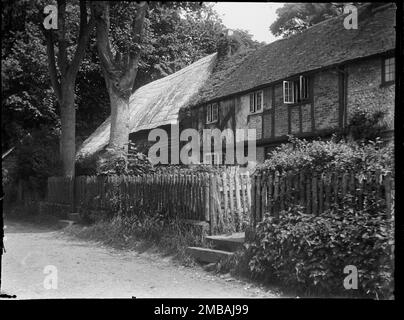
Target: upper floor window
{"points": [[388, 70], [211, 158], [256, 101], [296, 90], [212, 112]]}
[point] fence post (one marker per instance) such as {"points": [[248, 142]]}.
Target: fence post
{"points": [[253, 213], [206, 196]]}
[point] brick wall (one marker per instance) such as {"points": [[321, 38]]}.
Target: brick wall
{"points": [[326, 100], [366, 92]]}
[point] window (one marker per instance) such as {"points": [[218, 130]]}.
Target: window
{"points": [[388, 70], [212, 112], [211, 158], [288, 96], [256, 101], [297, 90], [304, 88]]}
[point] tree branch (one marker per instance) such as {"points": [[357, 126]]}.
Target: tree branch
{"points": [[138, 31], [84, 35], [135, 52], [62, 53], [50, 50], [101, 14]]}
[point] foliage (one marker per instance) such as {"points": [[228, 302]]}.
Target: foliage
{"points": [[134, 163], [27, 98], [37, 158], [332, 156], [293, 18], [177, 34], [135, 228], [189, 169], [366, 125], [309, 252]]}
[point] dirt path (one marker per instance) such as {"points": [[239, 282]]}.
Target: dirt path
{"points": [[89, 269]]}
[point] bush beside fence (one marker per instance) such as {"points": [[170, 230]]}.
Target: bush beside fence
{"points": [[273, 192]]}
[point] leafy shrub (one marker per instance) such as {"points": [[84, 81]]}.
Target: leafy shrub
{"points": [[37, 158], [309, 252], [106, 163], [331, 156], [366, 125], [189, 169]]}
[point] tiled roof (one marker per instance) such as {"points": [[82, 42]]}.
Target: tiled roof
{"points": [[321, 45]]}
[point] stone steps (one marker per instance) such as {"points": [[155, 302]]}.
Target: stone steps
{"points": [[224, 246], [208, 255], [65, 223], [231, 242]]}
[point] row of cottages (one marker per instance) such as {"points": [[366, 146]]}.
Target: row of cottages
{"points": [[307, 85]]}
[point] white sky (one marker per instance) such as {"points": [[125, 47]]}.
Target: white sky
{"points": [[256, 17]]}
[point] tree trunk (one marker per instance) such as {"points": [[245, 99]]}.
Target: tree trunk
{"points": [[63, 84], [68, 134], [119, 133]]}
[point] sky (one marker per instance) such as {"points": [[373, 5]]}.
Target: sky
{"points": [[256, 17]]}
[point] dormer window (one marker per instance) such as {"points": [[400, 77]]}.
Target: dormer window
{"points": [[256, 101], [296, 90], [212, 112]]}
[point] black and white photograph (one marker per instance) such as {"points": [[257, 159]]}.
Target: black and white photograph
{"points": [[236, 150]]}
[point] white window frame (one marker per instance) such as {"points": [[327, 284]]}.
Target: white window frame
{"points": [[293, 93], [212, 112], [254, 108], [288, 92]]}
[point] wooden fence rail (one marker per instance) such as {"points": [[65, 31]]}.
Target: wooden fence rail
{"points": [[229, 200], [273, 192], [222, 199]]}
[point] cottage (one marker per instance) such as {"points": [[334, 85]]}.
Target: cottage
{"points": [[308, 85]]}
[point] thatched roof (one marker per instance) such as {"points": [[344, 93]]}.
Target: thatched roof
{"points": [[157, 103], [324, 44]]}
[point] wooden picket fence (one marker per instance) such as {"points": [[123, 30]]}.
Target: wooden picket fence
{"points": [[60, 190], [273, 192], [228, 201], [221, 199]]}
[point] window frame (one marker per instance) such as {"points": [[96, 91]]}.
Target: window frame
{"points": [[214, 157], [210, 112], [385, 82], [297, 90], [253, 101]]}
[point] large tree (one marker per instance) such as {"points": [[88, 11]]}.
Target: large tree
{"points": [[63, 75], [119, 65]]}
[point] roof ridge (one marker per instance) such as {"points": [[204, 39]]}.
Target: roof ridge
{"points": [[176, 74]]}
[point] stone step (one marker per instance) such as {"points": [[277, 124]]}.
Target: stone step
{"points": [[65, 223], [75, 216], [231, 242], [208, 255]]}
